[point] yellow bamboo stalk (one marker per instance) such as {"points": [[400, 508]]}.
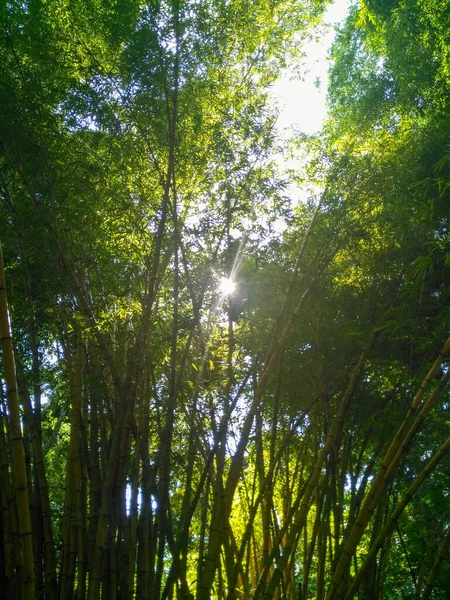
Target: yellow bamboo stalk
{"points": [[299, 522], [73, 551], [396, 450], [49, 544], [393, 518], [11, 530], [440, 558], [17, 447]]}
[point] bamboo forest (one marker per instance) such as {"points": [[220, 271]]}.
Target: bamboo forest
{"points": [[224, 363]]}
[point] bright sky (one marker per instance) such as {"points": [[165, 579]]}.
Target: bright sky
{"points": [[301, 96], [301, 100]]}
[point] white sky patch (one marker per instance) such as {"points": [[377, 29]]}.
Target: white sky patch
{"points": [[301, 97], [300, 93]]}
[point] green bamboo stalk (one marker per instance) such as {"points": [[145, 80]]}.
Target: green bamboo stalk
{"points": [[17, 445], [299, 522], [431, 550], [389, 464], [395, 515], [442, 555], [9, 517], [43, 491]]}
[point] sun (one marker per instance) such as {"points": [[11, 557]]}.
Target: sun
{"points": [[227, 286]]}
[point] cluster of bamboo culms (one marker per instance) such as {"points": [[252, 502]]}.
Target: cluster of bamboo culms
{"points": [[199, 460], [157, 502]]}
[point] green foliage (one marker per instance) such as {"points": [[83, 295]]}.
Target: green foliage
{"points": [[138, 168]]}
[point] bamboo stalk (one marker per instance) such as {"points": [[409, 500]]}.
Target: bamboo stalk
{"points": [[17, 445], [9, 517], [299, 522], [42, 490], [442, 555], [401, 440], [395, 515]]}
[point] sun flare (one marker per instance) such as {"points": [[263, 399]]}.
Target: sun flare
{"points": [[227, 286]]}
